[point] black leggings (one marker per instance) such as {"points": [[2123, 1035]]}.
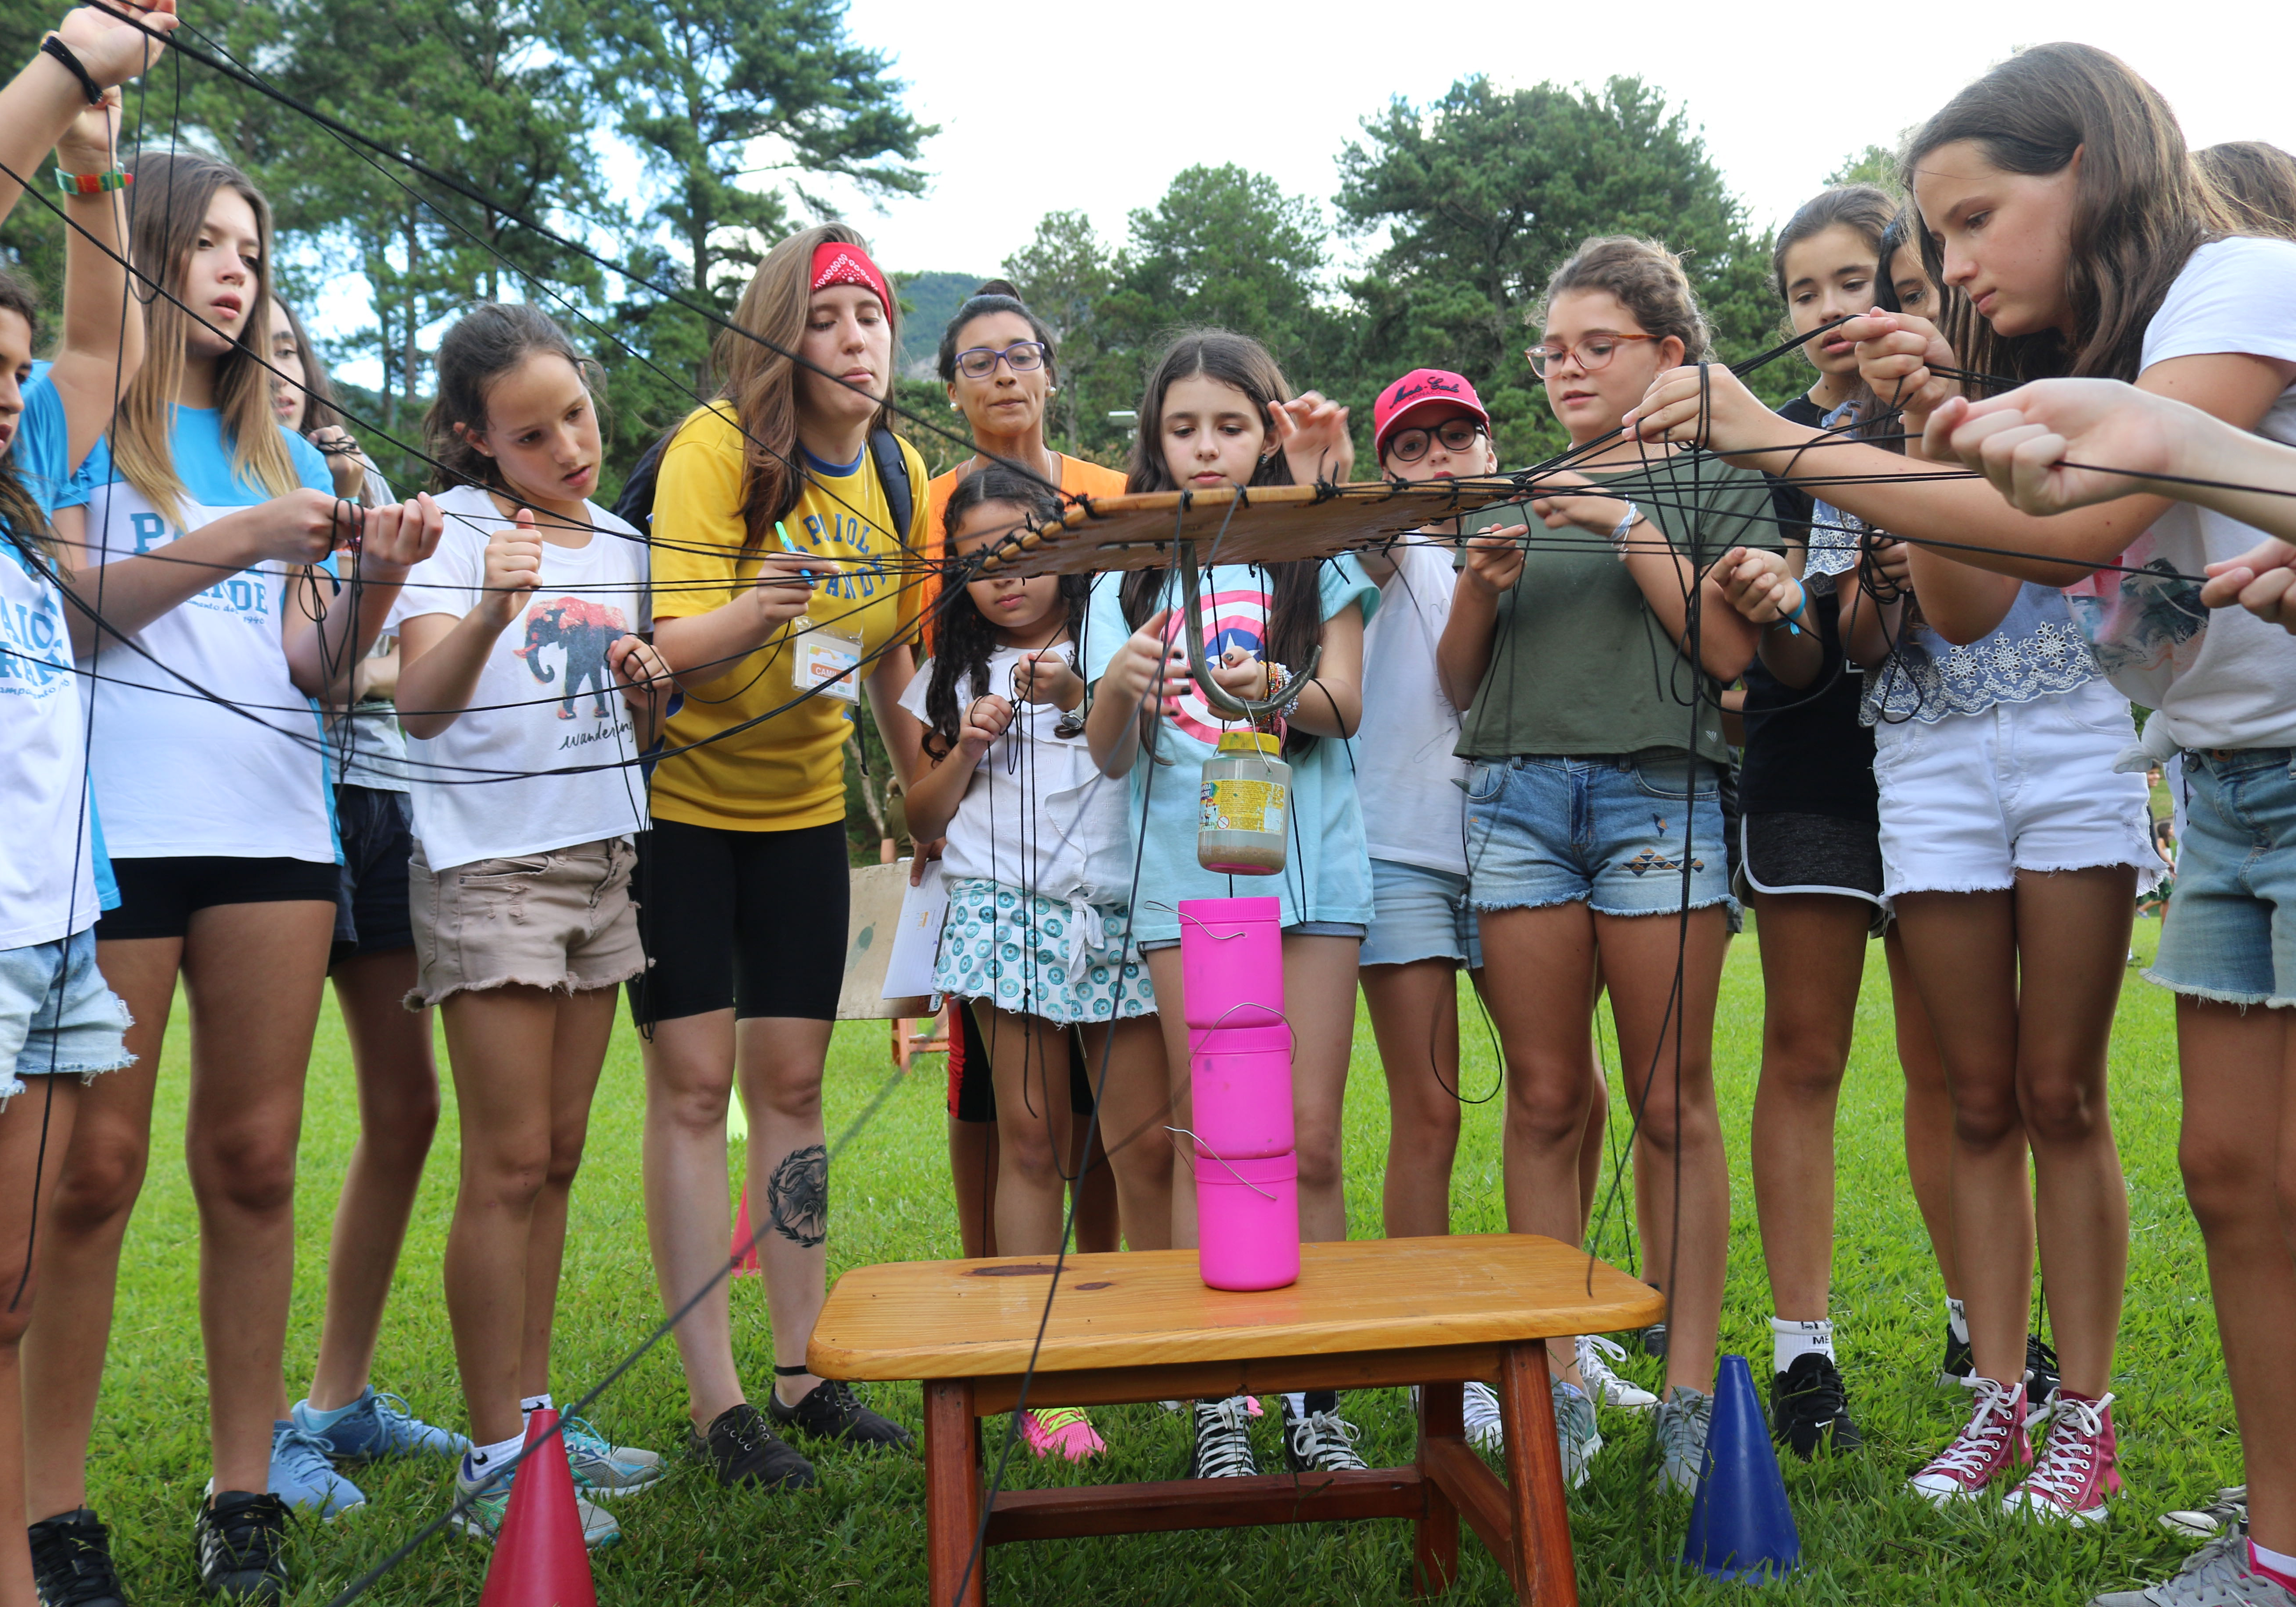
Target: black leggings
{"points": [[753, 922]]}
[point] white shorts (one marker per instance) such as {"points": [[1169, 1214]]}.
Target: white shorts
{"points": [[1970, 799]]}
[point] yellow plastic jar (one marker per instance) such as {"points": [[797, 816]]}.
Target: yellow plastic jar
{"points": [[1247, 807]]}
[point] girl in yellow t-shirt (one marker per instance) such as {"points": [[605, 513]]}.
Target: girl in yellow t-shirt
{"points": [[782, 593]]}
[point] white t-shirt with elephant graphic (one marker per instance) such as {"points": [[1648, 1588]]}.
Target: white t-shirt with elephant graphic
{"points": [[544, 756]]}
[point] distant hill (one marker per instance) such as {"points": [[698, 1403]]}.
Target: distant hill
{"points": [[929, 302]]}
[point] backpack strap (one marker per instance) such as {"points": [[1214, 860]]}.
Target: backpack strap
{"points": [[893, 473]]}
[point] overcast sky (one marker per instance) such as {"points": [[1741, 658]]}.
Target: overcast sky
{"points": [[1047, 106]]}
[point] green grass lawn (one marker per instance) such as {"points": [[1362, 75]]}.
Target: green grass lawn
{"points": [[860, 1535]]}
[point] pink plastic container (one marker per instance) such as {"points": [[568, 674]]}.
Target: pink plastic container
{"points": [[1248, 1221], [1232, 961], [1242, 1082]]}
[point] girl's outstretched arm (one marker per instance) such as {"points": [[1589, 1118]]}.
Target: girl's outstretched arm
{"points": [[40, 102], [103, 327]]}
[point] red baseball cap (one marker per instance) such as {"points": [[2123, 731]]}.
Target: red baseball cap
{"points": [[1417, 392]]}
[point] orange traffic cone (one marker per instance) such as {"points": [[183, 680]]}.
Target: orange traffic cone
{"points": [[540, 1560], [745, 1250]]}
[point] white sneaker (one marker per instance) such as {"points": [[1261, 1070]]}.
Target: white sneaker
{"points": [[1574, 1427], [1595, 1355], [1484, 1431]]}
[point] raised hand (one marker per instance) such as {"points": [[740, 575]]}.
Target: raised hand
{"points": [[1146, 667], [1758, 585], [1704, 406], [639, 671], [344, 463], [87, 146], [2020, 440], [513, 566], [1046, 678], [1495, 558], [986, 718], [1312, 433], [111, 49], [1898, 354]]}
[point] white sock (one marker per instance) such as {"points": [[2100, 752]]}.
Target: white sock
{"points": [[482, 1457], [531, 1404], [2278, 1562], [1792, 1340], [1957, 1318], [1298, 1399]]}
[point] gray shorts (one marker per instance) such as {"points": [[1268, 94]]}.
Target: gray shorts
{"points": [[562, 920]]}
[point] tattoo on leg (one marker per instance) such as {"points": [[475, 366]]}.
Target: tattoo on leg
{"points": [[798, 1196]]}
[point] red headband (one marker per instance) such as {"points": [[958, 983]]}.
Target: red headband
{"points": [[834, 262]]}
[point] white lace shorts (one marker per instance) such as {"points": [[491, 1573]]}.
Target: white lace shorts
{"points": [[1970, 799]]}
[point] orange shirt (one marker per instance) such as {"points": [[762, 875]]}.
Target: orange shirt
{"points": [[1078, 478]]}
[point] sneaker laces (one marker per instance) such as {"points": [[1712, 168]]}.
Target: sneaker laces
{"points": [[1325, 1439], [1978, 1446], [2067, 1458], [1480, 1410], [303, 1453], [581, 1436], [249, 1533], [1223, 1439], [77, 1560], [1593, 1349], [1826, 1396], [1679, 1433]]}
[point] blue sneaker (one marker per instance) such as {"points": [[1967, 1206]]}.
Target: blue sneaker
{"points": [[302, 1477], [374, 1427]]}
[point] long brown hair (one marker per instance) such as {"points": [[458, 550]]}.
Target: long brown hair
{"points": [[167, 208], [2255, 184], [20, 511], [318, 387], [1295, 614], [761, 382], [2138, 209]]}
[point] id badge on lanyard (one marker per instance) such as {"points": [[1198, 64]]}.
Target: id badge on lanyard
{"points": [[828, 660]]}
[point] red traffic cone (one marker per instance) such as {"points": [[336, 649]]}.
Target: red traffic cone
{"points": [[540, 1560], [745, 1249]]}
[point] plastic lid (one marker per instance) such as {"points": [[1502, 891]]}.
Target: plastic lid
{"points": [[1251, 741]]}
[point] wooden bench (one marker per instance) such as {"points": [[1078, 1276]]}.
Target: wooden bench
{"points": [[1132, 1327]]}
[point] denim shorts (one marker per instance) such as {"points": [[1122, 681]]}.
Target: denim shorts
{"points": [[1607, 831], [56, 1014], [2229, 933], [1419, 914]]}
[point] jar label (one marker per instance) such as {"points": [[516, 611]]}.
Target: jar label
{"points": [[1239, 805]]}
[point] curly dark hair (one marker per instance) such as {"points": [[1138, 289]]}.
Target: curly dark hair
{"points": [[963, 638]]}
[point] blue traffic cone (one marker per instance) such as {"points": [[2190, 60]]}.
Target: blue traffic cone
{"points": [[1740, 1524]]}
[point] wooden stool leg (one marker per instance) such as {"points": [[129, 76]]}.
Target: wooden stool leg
{"points": [[1435, 1534], [952, 1494], [1540, 1553]]}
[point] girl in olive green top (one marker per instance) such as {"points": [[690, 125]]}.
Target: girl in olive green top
{"points": [[1593, 806]]}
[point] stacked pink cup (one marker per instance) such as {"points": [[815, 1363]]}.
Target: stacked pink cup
{"points": [[1247, 1165]]}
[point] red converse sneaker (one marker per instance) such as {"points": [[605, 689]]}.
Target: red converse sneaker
{"points": [[2075, 1470], [1993, 1443]]}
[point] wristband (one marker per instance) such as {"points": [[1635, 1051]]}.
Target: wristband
{"points": [[93, 183], [1802, 602], [1618, 534], [53, 45]]}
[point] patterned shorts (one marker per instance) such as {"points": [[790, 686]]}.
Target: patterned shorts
{"points": [[1034, 956]]}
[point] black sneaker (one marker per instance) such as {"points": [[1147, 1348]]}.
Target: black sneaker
{"points": [[831, 1411], [1809, 1407], [72, 1563], [1652, 1341], [2040, 1374], [1957, 1360], [1319, 1440], [1223, 1448], [240, 1541], [741, 1450]]}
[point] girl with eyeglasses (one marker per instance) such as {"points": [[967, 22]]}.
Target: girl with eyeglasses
{"points": [[1594, 813], [998, 362]]}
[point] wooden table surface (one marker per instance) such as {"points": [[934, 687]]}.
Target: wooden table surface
{"points": [[977, 1319]]}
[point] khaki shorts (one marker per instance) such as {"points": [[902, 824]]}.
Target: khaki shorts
{"points": [[562, 920]]}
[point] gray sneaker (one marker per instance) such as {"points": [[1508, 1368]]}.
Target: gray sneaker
{"points": [[1680, 1423], [2215, 1576], [1574, 1426], [481, 1517], [604, 1471], [2228, 1508]]}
